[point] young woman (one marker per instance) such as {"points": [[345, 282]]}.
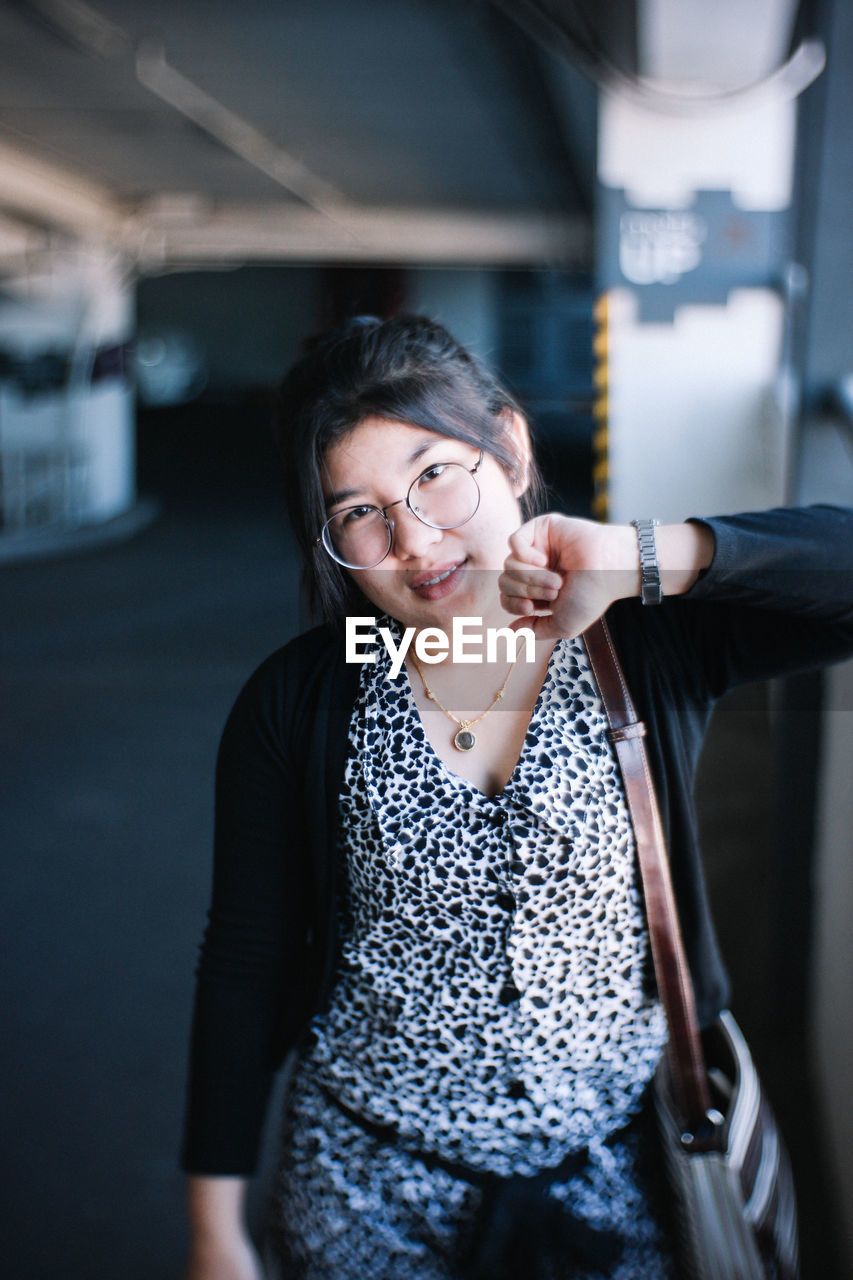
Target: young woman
{"points": [[424, 875]]}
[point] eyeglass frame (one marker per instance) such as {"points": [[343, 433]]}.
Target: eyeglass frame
{"points": [[472, 471]]}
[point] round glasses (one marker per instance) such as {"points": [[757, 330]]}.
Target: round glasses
{"points": [[444, 496]]}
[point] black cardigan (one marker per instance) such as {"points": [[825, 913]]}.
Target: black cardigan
{"points": [[777, 598]]}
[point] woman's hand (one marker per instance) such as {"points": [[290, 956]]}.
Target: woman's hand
{"points": [[220, 1248], [235, 1259], [563, 573]]}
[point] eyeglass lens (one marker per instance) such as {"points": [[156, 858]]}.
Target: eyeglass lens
{"points": [[444, 497]]}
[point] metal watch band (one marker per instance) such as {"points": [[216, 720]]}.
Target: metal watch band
{"points": [[649, 567]]}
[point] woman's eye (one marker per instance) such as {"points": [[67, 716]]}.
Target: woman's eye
{"points": [[432, 473], [354, 514]]}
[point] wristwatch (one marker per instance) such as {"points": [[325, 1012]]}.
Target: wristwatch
{"points": [[649, 567]]}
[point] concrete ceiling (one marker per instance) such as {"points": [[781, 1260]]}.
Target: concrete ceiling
{"points": [[384, 130], [315, 121]]}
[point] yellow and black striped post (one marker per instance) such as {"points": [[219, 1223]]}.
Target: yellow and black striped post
{"points": [[601, 387]]}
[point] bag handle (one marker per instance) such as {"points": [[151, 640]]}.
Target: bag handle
{"points": [[675, 986]]}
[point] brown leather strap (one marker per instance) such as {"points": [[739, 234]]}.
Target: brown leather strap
{"points": [[675, 986]]}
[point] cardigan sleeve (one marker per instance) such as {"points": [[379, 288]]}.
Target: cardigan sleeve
{"points": [[255, 934], [777, 597]]}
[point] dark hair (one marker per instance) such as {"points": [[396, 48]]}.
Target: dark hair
{"points": [[408, 369]]}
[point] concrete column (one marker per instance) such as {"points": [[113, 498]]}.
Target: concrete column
{"points": [[692, 240], [68, 447]]}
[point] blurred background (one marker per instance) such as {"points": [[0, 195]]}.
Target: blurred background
{"points": [[638, 211]]}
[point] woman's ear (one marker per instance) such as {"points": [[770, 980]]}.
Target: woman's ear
{"points": [[519, 441]]}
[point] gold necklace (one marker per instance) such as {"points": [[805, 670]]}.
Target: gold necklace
{"points": [[463, 739]]}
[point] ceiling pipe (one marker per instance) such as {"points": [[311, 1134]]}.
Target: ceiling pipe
{"points": [[56, 197], [235, 133]]}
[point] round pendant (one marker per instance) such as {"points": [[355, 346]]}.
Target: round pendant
{"points": [[464, 740]]}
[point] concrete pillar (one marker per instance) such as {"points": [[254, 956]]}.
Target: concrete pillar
{"points": [[692, 241], [68, 442]]}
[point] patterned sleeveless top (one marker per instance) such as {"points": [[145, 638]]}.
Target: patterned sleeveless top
{"points": [[492, 1001]]}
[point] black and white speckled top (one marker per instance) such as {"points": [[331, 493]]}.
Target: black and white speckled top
{"points": [[491, 1000]]}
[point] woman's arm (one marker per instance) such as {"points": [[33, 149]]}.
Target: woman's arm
{"points": [[562, 573], [763, 593], [252, 960], [220, 1248]]}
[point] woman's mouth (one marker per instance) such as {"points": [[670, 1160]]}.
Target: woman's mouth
{"points": [[437, 583]]}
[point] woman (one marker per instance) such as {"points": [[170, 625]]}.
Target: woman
{"points": [[424, 874]]}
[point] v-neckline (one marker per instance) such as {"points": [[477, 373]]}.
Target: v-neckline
{"points": [[458, 778]]}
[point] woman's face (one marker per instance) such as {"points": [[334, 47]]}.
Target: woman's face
{"points": [[429, 575]]}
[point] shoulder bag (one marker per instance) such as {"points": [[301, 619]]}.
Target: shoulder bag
{"points": [[726, 1164]]}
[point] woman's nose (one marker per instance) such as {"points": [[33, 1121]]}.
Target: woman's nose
{"points": [[411, 537]]}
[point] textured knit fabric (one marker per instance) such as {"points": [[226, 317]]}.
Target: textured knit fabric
{"points": [[777, 598], [491, 1000]]}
